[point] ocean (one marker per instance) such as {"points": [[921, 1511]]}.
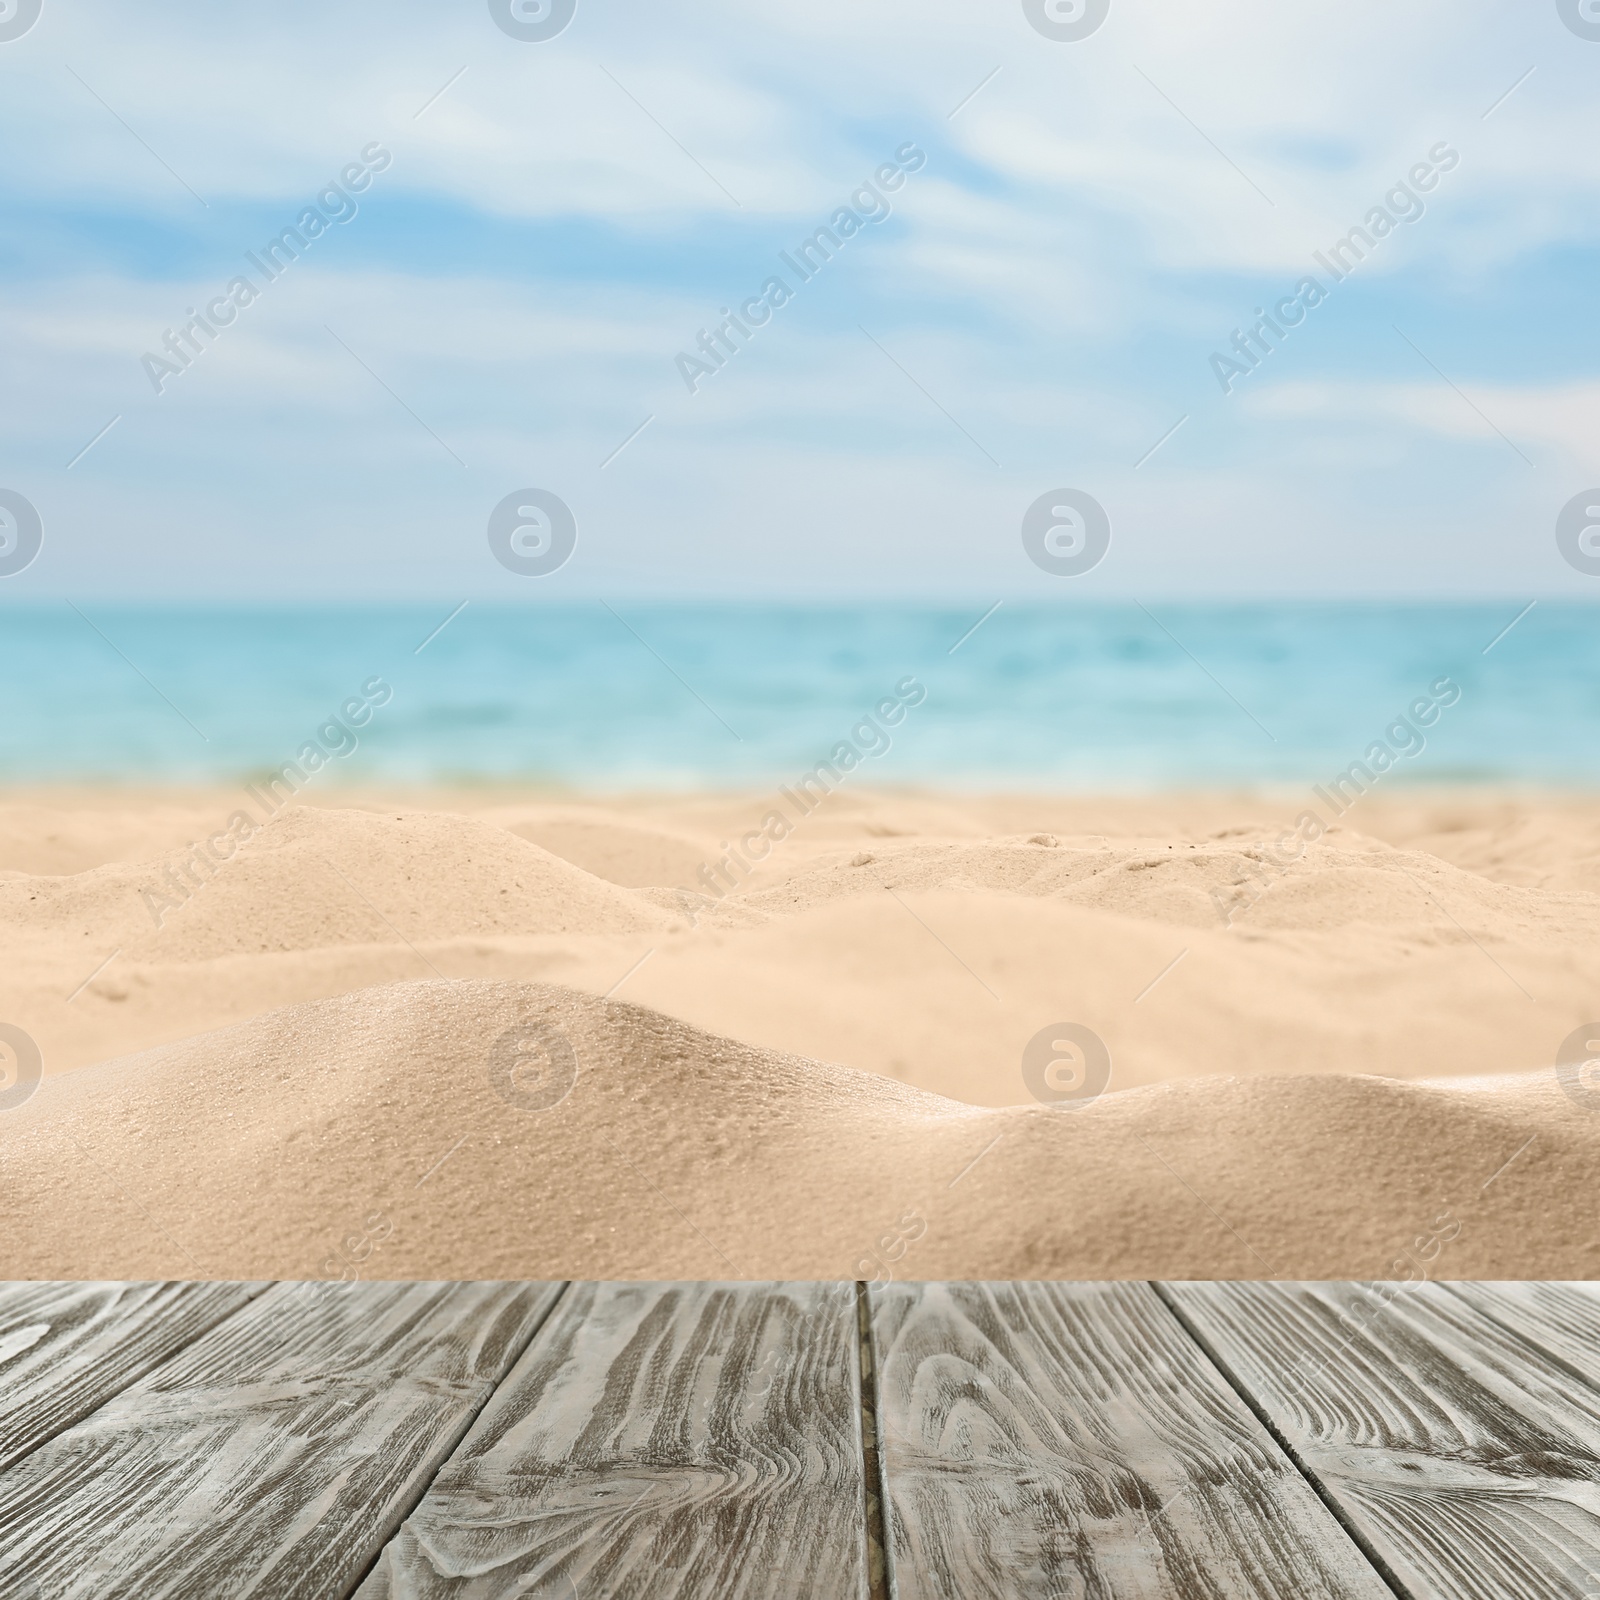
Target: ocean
{"points": [[649, 695]]}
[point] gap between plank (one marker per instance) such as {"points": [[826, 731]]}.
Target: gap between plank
{"points": [[426, 1479], [139, 1377], [1359, 1539], [873, 1484]]}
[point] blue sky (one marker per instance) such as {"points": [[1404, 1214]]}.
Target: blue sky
{"points": [[554, 227]]}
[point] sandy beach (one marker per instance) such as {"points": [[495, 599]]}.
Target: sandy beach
{"points": [[496, 1033]]}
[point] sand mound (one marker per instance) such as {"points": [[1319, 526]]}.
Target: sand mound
{"points": [[53, 834], [503, 1130], [1551, 843], [1204, 885], [312, 878], [621, 851], [921, 939]]}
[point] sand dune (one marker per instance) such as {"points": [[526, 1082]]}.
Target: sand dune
{"points": [[300, 880], [923, 938], [634, 855], [502, 1130], [309, 902], [830, 1078], [1202, 885], [1554, 844]]}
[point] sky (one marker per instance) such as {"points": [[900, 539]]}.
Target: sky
{"points": [[543, 227]]}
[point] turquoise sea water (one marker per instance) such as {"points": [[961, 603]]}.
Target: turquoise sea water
{"points": [[1105, 697]]}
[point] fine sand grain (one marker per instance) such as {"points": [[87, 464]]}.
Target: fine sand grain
{"points": [[490, 1130], [828, 1079]]}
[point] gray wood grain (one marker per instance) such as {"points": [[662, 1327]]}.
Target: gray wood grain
{"points": [[1465, 1456], [272, 1457], [659, 1441], [1562, 1318], [1069, 1439], [66, 1348]]}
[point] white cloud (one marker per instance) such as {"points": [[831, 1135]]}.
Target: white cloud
{"points": [[1557, 424], [1053, 281]]}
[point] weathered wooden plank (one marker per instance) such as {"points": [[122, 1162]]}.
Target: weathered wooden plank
{"points": [[272, 1457], [1043, 1439], [66, 1348], [657, 1442], [1465, 1457], [1562, 1318]]}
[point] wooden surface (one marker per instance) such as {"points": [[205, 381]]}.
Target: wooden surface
{"points": [[1069, 1439], [275, 1455], [658, 1441], [1563, 1319], [66, 1348], [1466, 1458], [1036, 1441]]}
